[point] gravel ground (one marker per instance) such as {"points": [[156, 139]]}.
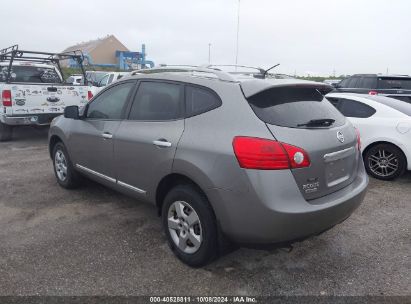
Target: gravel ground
{"points": [[93, 241]]}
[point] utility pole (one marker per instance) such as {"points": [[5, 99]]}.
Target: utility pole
{"points": [[238, 31], [209, 53]]}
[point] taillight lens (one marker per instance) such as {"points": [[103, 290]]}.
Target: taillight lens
{"points": [[358, 139], [89, 95], [373, 93], [6, 98], [266, 154]]}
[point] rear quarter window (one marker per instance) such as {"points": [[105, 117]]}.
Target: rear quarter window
{"points": [[352, 108], [200, 100], [293, 106]]}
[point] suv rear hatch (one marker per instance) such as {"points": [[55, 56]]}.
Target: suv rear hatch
{"points": [[299, 115]]}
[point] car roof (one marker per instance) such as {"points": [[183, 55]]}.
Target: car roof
{"points": [[380, 76], [249, 84]]}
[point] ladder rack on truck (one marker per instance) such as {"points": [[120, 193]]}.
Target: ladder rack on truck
{"points": [[12, 54]]}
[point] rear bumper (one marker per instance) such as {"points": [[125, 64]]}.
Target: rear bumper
{"points": [[30, 119], [278, 213]]}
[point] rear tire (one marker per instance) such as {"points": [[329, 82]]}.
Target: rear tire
{"points": [[190, 226], [6, 132], [385, 161], [65, 174]]}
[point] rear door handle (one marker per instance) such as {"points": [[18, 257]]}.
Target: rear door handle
{"points": [[162, 143], [107, 135]]}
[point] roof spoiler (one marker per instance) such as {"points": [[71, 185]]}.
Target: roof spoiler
{"points": [[254, 87]]}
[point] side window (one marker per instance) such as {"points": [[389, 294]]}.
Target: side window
{"points": [[110, 103], [354, 82], [368, 83], [344, 82], [352, 108], [157, 101], [200, 100]]}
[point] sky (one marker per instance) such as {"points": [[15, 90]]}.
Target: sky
{"points": [[316, 37]]}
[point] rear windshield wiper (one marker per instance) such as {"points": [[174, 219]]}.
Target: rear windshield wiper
{"points": [[325, 122]]}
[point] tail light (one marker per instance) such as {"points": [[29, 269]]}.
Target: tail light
{"points": [[6, 98], [89, 95], [372, 93], [265, 154], [358, 139]]}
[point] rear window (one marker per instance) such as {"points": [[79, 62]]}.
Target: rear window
{"points": [[293, 107], [394, 83], [30, 74]]}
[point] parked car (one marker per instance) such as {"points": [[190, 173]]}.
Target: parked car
{"points": [[395, 86], [384, 124], [254, 161], [33, 93], [109, 78]]}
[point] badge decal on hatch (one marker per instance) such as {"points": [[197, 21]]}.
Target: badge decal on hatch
{"points": [[340, 136], [312, 186]]}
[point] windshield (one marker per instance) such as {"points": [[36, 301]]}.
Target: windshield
{"points": [[395, 83], [95, 77], [30, 74], [295, 107]]}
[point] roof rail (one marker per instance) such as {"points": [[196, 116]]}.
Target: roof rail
{"points": [[221, 75], [210, 66]]}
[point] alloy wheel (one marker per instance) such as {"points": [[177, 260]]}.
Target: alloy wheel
{"points": [[383, 163]]}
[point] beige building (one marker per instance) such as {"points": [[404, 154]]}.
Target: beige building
{"points": [[102, 50]]}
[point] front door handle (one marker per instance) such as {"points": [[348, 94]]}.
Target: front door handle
{"points": [[107, 135], [162, 143]]}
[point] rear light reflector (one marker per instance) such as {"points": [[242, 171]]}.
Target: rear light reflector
{"points": [[357, 133], [373, 93], [266, 154], [89, 95], [6, 98]]}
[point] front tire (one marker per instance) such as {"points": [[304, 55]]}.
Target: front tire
{"points": [[65, 174], [385, 161], [6, 132], [190, 226]]}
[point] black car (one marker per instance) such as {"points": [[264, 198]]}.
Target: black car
{"points": [[398, 87]]}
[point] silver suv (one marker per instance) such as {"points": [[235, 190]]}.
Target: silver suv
{"points": [[222, 156]]}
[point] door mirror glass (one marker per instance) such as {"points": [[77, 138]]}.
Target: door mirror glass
{"points": [[71, 112]]}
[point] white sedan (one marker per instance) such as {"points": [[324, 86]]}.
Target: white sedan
{"points": [[385, 128]]}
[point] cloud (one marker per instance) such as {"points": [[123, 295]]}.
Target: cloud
{"points": [[347, 36]]}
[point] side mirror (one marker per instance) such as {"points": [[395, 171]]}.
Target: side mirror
{"points": [[336, 85], [71, 112]]}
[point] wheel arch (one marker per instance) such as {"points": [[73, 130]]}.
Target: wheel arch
{"points": [[54, 139], [171, 180]]}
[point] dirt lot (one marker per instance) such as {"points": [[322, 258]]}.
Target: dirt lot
{"points": [[95, 241]]}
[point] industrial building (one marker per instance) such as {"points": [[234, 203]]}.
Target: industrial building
{"points": [[109, 52]]}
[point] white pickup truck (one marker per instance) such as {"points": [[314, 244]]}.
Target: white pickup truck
{"points": [[32, 89]]}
